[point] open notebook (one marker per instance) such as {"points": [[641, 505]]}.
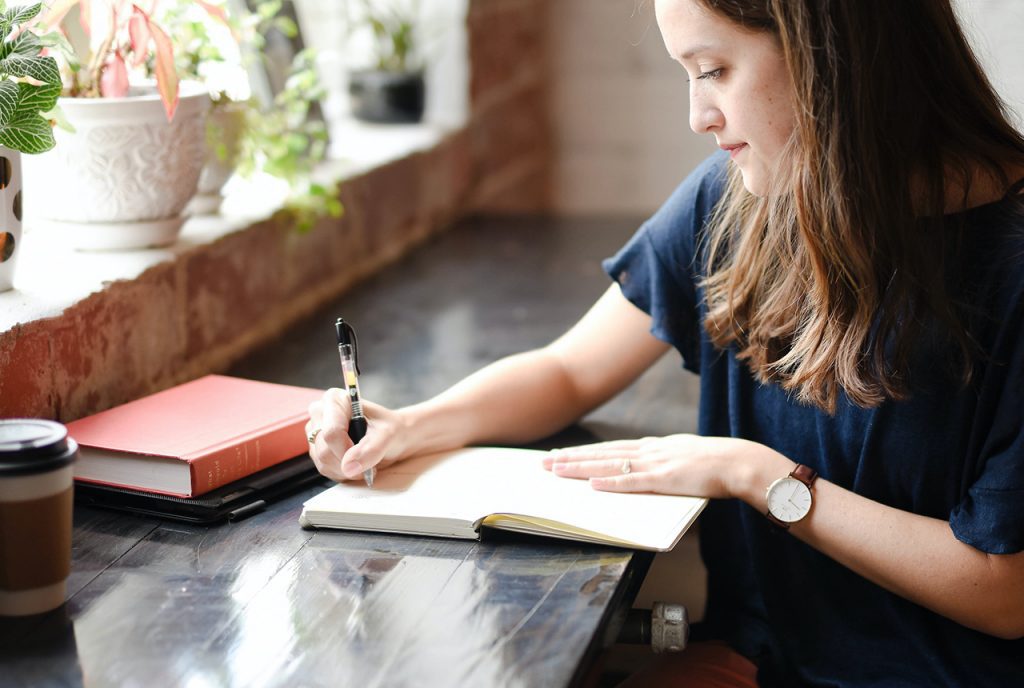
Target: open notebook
{"points": [[454, 494]]}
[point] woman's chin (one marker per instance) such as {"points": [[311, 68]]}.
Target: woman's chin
{"points": [[754, 183], [762, 179], [756, 178]]}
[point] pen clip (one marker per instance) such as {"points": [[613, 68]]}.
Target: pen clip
{"points": [[347, 337]]}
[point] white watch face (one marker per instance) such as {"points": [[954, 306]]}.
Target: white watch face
{"points": [[789, 500]]}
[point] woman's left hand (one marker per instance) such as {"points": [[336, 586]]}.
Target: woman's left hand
{"points": [[693, 465]]}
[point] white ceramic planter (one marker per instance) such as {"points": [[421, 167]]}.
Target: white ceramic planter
{"points": [[10, 215], [122, 180], [224, 127]]}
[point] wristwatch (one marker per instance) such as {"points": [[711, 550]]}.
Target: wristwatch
{"points": [[789, 498]]}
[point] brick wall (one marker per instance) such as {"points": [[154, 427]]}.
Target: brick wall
{"points": [[509, 127], [213, 302]]}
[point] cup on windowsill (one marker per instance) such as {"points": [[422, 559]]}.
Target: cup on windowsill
{"points": [[36, 489]]}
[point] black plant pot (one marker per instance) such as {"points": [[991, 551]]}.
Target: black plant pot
{"points": [[389, 97]]}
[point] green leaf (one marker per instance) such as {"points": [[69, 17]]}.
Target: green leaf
{"points": [[42, 69], [8, 101], [16, 16], [27, 44], [57, 43], [22, 127], [21, 57], [37, 98], [268, 9], [286, 26], [28, 132]]}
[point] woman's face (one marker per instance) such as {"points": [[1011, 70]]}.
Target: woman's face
{"points": [[739, 87]]}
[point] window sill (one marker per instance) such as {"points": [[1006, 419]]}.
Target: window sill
{"points": [[51, 277], [84, 330]]}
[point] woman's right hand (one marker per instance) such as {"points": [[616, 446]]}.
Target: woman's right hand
{"points": [[333, 452]]}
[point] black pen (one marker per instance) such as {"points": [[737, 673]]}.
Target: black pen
{"points": [[348, 349]]}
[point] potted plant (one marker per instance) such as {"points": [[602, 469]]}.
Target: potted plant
{"points": [[209, 38], [29, 86], [285, 143], [130, 163], [245, 136], [392, 88]]}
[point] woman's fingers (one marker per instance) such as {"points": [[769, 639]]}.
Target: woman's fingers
{"points": [[369, 449], [629, 482], [594, 460], [616, 466], [333, 451], [328, 419], [674, 464], [335, 417], [362, 456], [595, 468], [373, 449], [602, 451], [623, 474]]}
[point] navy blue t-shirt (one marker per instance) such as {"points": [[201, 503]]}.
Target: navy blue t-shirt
{"points": [[950, 452]]}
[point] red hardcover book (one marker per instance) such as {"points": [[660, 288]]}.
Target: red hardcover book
{"points": [[192, 438]]}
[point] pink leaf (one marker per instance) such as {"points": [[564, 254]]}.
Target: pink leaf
{"points": [[84, 10], [114, 80], [214, 11], [140, 35], [166, 76]]}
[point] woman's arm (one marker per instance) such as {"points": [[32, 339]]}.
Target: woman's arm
{"points": [[913, 556], [515, 400]]}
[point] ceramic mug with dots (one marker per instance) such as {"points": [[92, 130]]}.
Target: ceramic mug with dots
{"points": [[10, 214]]}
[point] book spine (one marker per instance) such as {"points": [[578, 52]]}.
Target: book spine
{"points": [[247, 456]]}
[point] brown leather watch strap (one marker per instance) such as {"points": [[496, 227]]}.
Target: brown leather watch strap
{"points": [[804, 474]]}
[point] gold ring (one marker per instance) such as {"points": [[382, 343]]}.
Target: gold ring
{"points": [[312, 435], [627, 466]]}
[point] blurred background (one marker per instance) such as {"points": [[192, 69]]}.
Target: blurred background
{"points": [[616, 104]]}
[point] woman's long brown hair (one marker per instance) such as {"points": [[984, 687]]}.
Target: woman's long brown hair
{"points": [[827, 282]]}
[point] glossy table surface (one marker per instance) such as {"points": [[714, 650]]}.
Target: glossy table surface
{"points": [[261, 602]]}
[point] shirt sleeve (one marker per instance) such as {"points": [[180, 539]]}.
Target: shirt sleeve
{"points": [[659, 268], [991, 515]]}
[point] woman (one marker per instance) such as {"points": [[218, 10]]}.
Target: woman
{"points": [[850, 288]]}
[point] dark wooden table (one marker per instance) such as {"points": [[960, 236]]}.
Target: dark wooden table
{"points": [[262, 602]]}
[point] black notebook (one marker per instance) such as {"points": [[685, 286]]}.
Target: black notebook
{"points": [[231, 502]]}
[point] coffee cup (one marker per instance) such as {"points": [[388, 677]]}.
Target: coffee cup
{"points": [[36, 489]]}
